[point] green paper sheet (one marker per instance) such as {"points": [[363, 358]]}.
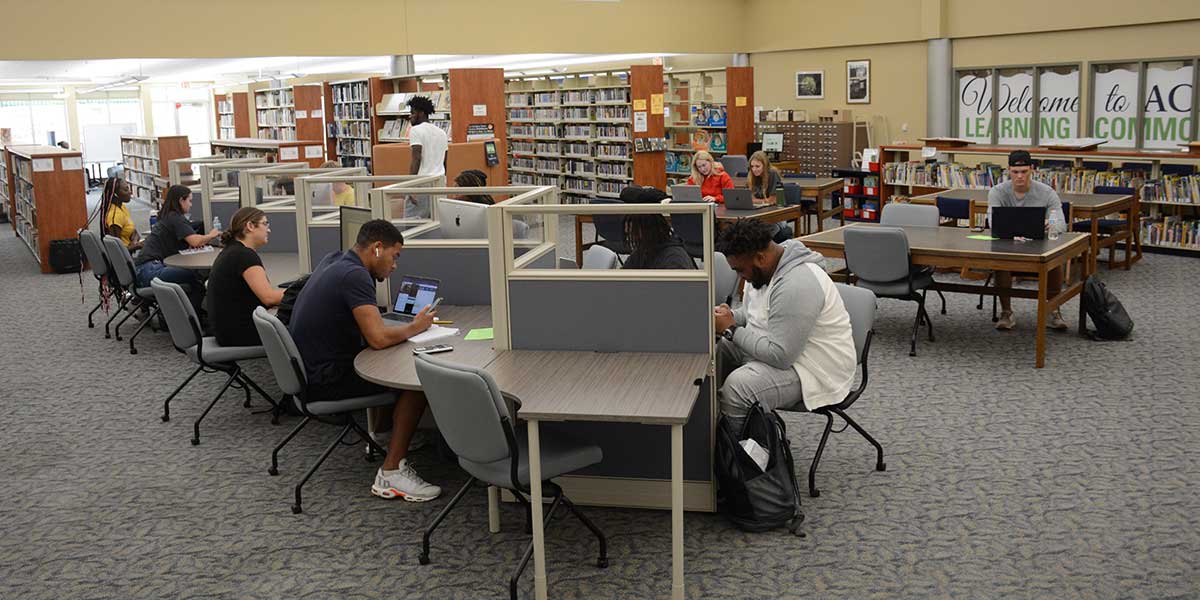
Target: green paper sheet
{"points": [[479, 334], [981, 237]]}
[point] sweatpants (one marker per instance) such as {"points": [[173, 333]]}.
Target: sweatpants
{"points": [[743, 382]]}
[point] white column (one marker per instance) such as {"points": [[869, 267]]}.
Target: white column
{"points": [[939, 88], [401, 64]]}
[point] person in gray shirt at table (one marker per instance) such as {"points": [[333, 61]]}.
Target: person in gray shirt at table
{"points": [[1022, 190]]}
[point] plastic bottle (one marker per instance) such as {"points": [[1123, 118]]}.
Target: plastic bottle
{"points": [[153, 220], [217, 223]]}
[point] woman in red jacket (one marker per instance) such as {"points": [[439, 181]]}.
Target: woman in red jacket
{"points": [[713, 181]]}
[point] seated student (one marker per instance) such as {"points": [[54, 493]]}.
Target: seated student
{"points": [[474, 178], [334, 314], [117, 221], [172, 233], [763, 181], [652, 242], [790, 340], [238, 282], [1021, 190], [342, 193], [713, 181]]}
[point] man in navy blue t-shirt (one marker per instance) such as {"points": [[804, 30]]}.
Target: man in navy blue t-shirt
{"points": [[334, 319]]}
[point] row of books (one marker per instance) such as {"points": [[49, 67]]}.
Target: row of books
{"points": [[1177, 189], [359, 148], [679, 162], [350, 129], [225, 106], [351, 92], [1172, 231], [398, 103], [140, 164], [397, 129], [351, 111], [985, 175], [282, 117], [273, 98], [277, 133], [139, 147]]}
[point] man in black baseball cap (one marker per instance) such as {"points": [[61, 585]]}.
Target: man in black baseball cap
{"points": [[1022, 190]]}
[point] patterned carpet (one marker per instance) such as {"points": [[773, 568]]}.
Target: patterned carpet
{"points": [[1075, 481]]}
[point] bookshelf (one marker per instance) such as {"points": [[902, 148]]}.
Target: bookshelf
{"points": [[233, 115], [47, 185], [573, 131], [349, 111], [275, 114], [391, 119], [146, 161], [311, 152], [6, 209], [707, 109]]}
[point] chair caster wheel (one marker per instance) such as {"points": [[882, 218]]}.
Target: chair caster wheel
{"points": [[814, 493], [195, 441], [602, 563], [272, 471], [423, 559], [133, 350], [881, 467], [107, 337], [943, 311], [90, 326], [370, 458], [119, 339], [165, 418], [296, 509], [913, 353]]}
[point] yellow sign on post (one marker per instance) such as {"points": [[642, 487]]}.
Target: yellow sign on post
{"points": [[739, 101], [639, 104], [656, 104]]}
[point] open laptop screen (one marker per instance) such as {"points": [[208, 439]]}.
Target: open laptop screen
{"points": [[415, 293]]}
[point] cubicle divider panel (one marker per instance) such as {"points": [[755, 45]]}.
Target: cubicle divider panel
{"points": [[462, 271], [610, 316], [322, 241], [283, 230], [223, 209]]}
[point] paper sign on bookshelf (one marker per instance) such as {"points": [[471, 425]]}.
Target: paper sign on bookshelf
{"points": [[302, 114], [318, 113], [479, 110], [739, 100], [928, 152], [639, 104], [313, 152], [291, 153], [639, 122], [72, 163], [43, 164], [656, 104]]}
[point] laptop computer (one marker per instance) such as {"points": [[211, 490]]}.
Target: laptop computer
{"points": [[415, 294], [741, 199], [686, 193], [1028, 222]]}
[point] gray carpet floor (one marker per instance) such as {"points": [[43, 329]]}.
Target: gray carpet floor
{"points": [[1074, 481]]}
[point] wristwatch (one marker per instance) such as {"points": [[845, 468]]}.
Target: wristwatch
{"points": [[728, 333]]}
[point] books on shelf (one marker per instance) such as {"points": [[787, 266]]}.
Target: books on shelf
{"points": [[1173, 189], [1171, 232], [986, 175], [353, 91], [274, 98]]}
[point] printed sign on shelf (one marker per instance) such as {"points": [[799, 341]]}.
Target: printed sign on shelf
{"points": [[479, 110], [314, 152], [639, 122], [291, 153], [43, 164], [72, 163]]}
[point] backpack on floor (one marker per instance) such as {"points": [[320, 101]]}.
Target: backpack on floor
{"points": [[1107, 313], [755, 499]]}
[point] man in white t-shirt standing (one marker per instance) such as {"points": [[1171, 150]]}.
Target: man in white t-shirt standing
{"points": [[428, 143]]}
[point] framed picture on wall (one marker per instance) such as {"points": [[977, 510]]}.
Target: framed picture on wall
{"points": [[810, 85], [858, 82]]}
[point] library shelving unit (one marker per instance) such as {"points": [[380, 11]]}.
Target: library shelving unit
{"points": [[6, 208], [389, 96], [1165, 187], [146, 161], [348, 111], [233, 115], [47, 184], [311, 152], [290, 113], [707, 109]]}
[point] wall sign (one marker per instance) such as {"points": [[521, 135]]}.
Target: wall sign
{"points": [[1114, 113]]}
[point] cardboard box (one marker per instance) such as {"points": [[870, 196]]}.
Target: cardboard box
{"points": [[836, 115]]}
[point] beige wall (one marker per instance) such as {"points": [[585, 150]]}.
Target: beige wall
{"points": [[897, 85], [970, 18], [1181, 38]]}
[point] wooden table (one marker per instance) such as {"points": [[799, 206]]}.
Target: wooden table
{"points": [[280, 266], [950, 247], [816, 188], [634, 387], [1090, 207], [395, 367]]}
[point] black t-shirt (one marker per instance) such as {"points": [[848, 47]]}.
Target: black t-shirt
{"points": [[773, 182], [671, 255], [322, 322], [230, 299], [168, 237]]}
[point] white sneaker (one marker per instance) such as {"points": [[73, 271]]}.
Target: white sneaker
{"points": [[1057, 322], [404, 483], [1006, 321]]}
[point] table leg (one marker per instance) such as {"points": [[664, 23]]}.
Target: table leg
{"points": [[677, 512], [535, 501], [493, 509], [1129, 238], [1095, 241], [1041, 317], [578, 241], [796, 224], [821, 212]]}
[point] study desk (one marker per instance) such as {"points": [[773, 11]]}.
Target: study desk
{"points": [[1090, 207], [636, 387], [950, 247], [395, 367], [280, 266], [816, 188]]}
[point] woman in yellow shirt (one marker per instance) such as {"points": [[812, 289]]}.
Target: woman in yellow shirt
{"points": [[117, 221], [342, 194]]}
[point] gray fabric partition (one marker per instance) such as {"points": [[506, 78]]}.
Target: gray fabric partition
{"points": [[322, 241], [610, 316], [462, 271], [636, 451], [283, 232]]}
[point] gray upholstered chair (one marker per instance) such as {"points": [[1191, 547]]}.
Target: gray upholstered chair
{"points": [[204, 352], [133, 297], [878, 257], [94, 252], [860, 304], [472, 416], [916, 215], [599, 257], [724, 280], [737, 165], [288, 367]]}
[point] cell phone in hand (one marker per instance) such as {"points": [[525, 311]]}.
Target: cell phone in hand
{"points": [[436, 302], [432, 349]]}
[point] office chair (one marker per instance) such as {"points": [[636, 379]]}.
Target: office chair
{"points": [[860, 304], [734, 164], [878, 257], [725, 280], [953, 210], [1178, 169], [917, 215], [690, 229], [1097, 165], [610, 229], [204, 352], [599, 257], [133, 297], [92, 250], [1056, 164], [472, 416], [1108, 227], [288, 367]]}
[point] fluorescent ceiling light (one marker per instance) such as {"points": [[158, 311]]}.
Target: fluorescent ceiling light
{"points": [[125, 82], [30, 90]]}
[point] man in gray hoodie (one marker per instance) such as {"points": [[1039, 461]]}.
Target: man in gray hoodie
{"points": [[790, 340]]}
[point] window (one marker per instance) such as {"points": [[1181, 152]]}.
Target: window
{"points": [[1167, 104], [1058, 103], [33, 117], [1144, 104], [1014, 106], [974, 120], [1115, 105], [184, 111], [997, 105]]}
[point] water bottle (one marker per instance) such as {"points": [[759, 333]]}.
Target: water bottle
{"points": [[217, 223], [153, 220]]}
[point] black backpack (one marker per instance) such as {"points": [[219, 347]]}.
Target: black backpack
{"points": [[1107, 313], [751, 498], [284, 313]]}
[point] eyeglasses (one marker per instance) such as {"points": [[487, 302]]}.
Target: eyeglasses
{"points": [[263, 223]]}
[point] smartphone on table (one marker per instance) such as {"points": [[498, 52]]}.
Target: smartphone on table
{"points": [[435, 349]]}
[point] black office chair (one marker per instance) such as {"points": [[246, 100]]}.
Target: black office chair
{"points": [[610, 229], [1097, 165], [1178, 169]]}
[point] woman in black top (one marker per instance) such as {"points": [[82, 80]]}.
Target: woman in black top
{"points": [[652, 242], [238, 282], [172, 233]]}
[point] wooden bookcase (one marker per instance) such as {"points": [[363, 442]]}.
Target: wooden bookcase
{"points": [[389, 95], [233, 115], [275, 114], [47, 184], [310, 152], [708, 109], [478, 91], [146, 160], [349, 110], [649, 166], [6, 199]]}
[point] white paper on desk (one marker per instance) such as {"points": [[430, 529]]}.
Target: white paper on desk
{"points": [[435, 332]]}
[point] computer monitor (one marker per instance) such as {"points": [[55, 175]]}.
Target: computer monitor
{"points": [[462, 220], [352, 219], [772, 142]]}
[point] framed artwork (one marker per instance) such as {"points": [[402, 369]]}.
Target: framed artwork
{"points": [[810, 85], [858, 82]]}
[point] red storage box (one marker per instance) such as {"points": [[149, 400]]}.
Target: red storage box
{"points": [[870, 191], [849, 212], [870, 213]]}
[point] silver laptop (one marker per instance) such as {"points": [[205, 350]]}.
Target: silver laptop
{"points": [[686, 193], [415, 294], [739, 199]]}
